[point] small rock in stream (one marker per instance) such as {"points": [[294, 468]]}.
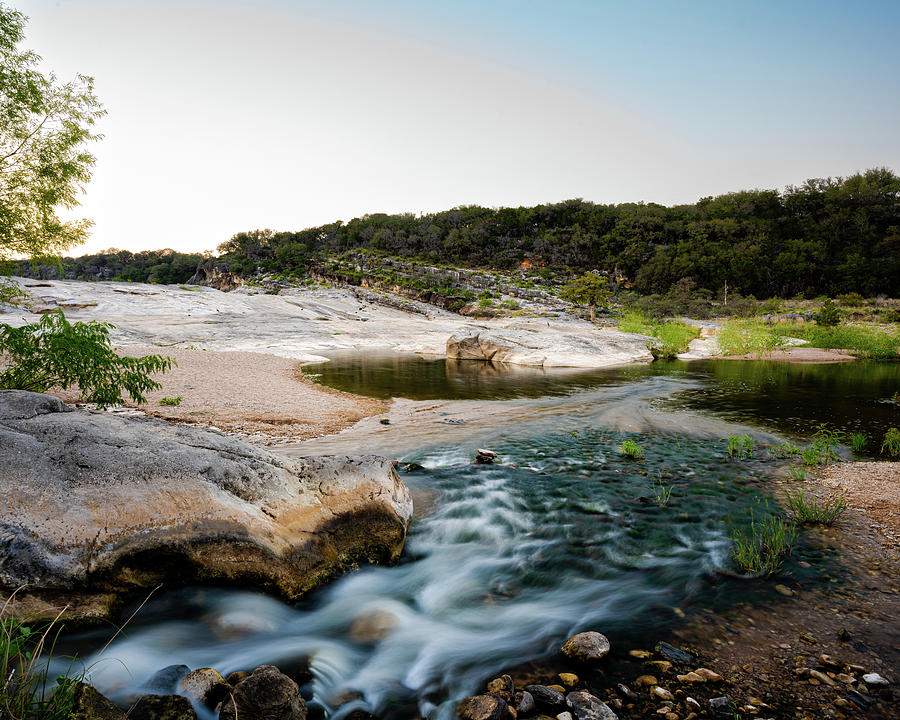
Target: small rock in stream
{"points": [[162, 707], [585, 706], [205, 686], [267, 693], [875, 679], [482, 707], [670, 652], [586, 647], [166, 680], [720, 705], [485, 457], [525, 704], [546, 697]]}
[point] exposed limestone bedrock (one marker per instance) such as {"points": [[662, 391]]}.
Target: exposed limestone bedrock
{"points": [[95, 506]]}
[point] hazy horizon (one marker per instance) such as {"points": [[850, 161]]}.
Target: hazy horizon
{"points": [[233, 116]]}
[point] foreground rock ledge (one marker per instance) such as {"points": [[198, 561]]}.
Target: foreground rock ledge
{"points": [[96, 506]]}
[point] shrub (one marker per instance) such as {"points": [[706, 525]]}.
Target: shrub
{"points": [[174, 401], [809, 512], [828, 315], [511, 304], [858, 442], [826, 442], [631, 449], [762, 548], [740, 446], [891, 443], [851, 298], [55, 353]]}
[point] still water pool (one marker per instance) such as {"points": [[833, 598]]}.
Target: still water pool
{"points": [[565, 534]]}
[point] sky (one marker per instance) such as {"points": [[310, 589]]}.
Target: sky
{"points": [[228, 116]]}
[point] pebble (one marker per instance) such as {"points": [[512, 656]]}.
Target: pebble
{"points": [[708, 674], [586, 647], [821, 677], [662, 693], [646, 681], [569, 679], [829, 661], [546, 696], [502, 684], [525, 704], [662, 666], [784, 590], [692, 704], [720, 705], [875, 679], [626, 692], [670, 652], [690, 677], [640, 654], [485, 457], [482, 707], [564, 716]]}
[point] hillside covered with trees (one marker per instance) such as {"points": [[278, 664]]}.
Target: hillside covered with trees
{"points": [[824, 237]]}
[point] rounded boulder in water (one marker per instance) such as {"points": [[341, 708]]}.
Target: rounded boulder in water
{"points": [[267, 693], [586, 647]]}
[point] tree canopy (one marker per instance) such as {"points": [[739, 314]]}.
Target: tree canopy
{"points": [[45, 127], [589, 289]]}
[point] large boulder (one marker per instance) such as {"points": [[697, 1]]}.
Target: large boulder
{"points": [[548, 348], [95, 506]]}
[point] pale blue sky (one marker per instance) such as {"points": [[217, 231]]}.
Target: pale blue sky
{"points": [[228, 116]]}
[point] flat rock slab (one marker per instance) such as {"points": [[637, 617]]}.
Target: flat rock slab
{"points": [[576, 347], [96, 505]]}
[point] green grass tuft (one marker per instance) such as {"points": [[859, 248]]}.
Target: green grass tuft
{"points": [[858, 442], [808, 511], [762, 548], [174, 401], [891, 443], [631, 449], [740, 446]]}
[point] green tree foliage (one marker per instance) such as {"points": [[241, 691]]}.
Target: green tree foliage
{"points": [[45, 127], [166, 267], [826, 236], [828, 314], [56, 353], [588, 289]]}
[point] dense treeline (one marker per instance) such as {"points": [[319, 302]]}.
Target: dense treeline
{"points": [[155, 266], [826, 236]]}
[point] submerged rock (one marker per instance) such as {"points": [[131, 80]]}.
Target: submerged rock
{"points": [[97, 505], [485, 457], [205, 686], [548, 347]]}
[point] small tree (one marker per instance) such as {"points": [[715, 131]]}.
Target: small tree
{"points": [[56, 353], [587, 290], [828, 314]]}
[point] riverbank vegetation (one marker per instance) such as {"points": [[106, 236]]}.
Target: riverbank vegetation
{"points": [[669, 338]]}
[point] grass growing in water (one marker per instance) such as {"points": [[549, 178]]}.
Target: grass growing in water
{"points": [[783, 450], [808, 511], [858, 442], [763, 547], [891, 443], [740, 446], [631, 449]]}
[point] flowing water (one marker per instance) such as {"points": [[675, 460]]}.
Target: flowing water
{"points": [[504, 561]]}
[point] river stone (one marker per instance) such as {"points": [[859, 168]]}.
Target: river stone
{"points": [[204, 686], [268, 694], [162, 707], [166, 681], [525, 704], [482, 707], [875, 679], [576, 347], [546, 697], [720, 705], [88, 704], [585, 706], [586, 647], [674, 654], [98, 505], [502, 684]]}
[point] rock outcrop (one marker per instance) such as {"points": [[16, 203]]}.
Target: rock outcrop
{"points": [[95, 506], [218, 275], [551, 348]]}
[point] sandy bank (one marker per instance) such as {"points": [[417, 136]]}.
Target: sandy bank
{"points": [[873, 488], [260, 397]]}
